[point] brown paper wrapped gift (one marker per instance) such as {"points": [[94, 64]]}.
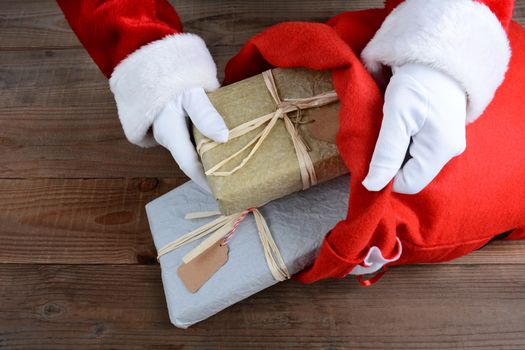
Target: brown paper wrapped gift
{"points": [[282, 138]]}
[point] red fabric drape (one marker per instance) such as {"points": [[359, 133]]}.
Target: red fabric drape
{"points": [[110, 30]]}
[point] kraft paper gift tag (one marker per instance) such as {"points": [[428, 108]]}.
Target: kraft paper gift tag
{"points": [[196, 272]]}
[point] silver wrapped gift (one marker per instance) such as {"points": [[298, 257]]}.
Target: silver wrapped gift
{"points": [[298, 224]]}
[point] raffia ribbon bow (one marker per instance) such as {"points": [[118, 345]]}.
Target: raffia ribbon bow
{"points": [[222, 228], [284, 107]]}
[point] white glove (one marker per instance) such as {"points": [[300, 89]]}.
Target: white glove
{"points": [[171, 130], [429, 107]]}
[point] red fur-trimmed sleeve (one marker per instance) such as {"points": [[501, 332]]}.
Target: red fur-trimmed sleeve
{"points": [[140, 46], [110, 30]]}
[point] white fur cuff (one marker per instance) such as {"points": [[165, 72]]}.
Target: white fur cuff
{"points": [[462, 38], [151, 76]]}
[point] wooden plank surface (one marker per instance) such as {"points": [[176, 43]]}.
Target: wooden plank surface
{"points": [[66, 121], [39, 23], [519, 12], [103, 221], [77, 267], [122, 307], [34, 24], [78, 221]]}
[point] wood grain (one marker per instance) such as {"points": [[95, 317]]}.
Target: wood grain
{"points": [[40, 24], [66, 121], [122, 307], [103, 221], [72, 221], [33, 24], [77, 267], [519, 12]]}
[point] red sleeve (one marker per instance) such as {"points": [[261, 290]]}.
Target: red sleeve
{"points": [[110, 30], [140, 47]]}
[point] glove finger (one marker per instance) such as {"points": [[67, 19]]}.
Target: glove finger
{"points": [[404, 113], [163, 125], [184, 153], [389, 153], [429, 156], [204, 115]]}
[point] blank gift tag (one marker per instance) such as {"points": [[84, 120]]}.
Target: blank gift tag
{"points": [[200, 269], [324, 123]]}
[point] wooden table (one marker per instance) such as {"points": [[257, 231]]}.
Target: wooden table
{"points": [[77, 263]]}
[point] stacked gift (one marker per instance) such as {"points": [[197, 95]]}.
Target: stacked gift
{"points": [[297, 225], [282, 138]]}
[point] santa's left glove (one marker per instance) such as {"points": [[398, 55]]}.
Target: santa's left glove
{"points": [[161, 87], [171, 130]]}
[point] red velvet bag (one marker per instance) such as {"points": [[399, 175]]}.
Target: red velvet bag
{"points": [[477, 196]]}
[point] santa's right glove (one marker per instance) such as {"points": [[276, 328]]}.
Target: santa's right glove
{"points": [[429, 108]]}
